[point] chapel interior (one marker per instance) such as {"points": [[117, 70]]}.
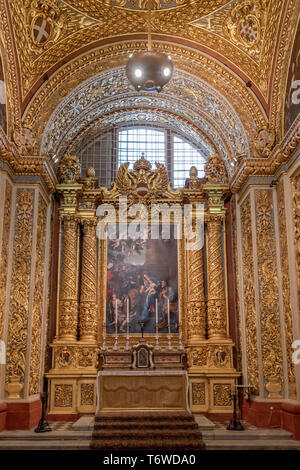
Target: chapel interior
{"points": [[91, 325]]}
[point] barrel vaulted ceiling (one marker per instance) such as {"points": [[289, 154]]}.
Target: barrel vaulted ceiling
{"points": [[56, 52]]}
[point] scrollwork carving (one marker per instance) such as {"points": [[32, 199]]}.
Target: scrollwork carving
{"points": [[63, 396], [249, 296], [268, 288], [4, 254], [37, 314], [216, 307], [19, 297], [222, 395], [69, 304], [69, 169]]}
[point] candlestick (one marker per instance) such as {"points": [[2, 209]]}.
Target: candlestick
{"points": [[127, 326], [116, 326], [156, 325], [180, 336], [104, 326], [169, 327]]}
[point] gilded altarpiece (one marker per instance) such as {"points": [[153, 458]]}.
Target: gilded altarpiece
{"points": [[83, 337]]}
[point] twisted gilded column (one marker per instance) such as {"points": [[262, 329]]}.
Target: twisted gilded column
{"points": [[216, 306], [68, 305], [88, 310], [196, 296]]}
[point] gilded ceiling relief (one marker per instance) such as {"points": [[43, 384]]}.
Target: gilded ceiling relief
{"points": [[240, 22], [195, 101], [204, 69], [47, 30]]}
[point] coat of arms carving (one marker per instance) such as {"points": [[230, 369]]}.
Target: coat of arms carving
{"points": [[44, 23]]}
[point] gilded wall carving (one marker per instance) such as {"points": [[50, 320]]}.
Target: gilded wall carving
{"points": [[19, 295], [199, 356], [37, 313], [296, 209], [198, 393], [88, 294], [68, 357], [63, 395], [268, 292], [68, 313], [4, 254], [222, 395], [249, 296], [285, 283], [87, 394], [216, 307], [196, 298]]}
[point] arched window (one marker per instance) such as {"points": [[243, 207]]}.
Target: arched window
{"points": [[106, 152]]}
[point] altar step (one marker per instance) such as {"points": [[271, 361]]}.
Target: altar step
{"points": [[146, 431]]}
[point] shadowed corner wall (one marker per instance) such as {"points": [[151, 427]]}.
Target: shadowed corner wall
{"points": [[268, 282], [25, 213]]}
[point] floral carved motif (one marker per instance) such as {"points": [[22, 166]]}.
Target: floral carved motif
{"points": [[249, 295], [285, 282], [222, 395], [196, 311], [198, 394], [63, 396], [87, 394], [37, 315], [268, 290], [19, 296], [4, 254]]}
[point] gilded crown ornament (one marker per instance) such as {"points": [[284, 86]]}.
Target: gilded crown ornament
{"points": [[142, 164]]}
